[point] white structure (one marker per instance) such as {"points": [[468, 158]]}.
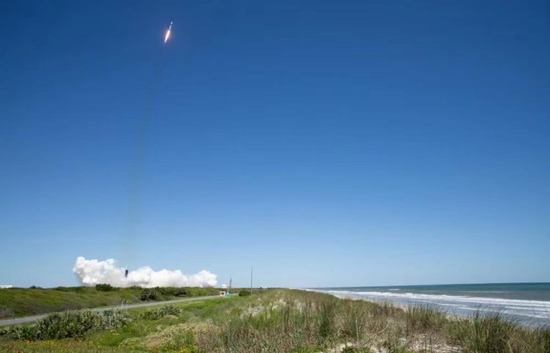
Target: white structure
{"points": [[5, 286]]}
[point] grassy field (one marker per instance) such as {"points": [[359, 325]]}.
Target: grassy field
{"points": [[18, 302], [276, 321]]}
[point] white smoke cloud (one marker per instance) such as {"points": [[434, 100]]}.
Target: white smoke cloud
{"points": [[92, 272]]}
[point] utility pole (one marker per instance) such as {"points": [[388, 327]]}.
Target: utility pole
{"points": [[251, 276]]}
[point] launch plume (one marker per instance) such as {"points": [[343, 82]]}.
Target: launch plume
{"points": [[167, 35], [92, 272]]}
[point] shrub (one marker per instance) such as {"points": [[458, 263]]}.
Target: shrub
{"points": [[155, 314], [180, 292], [68, 324], [70, 289], [62, 289], [244, 293], [5, 312], [148, 294], [103, 287]]}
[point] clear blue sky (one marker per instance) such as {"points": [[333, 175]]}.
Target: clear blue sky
{"points": [[325, 143]]}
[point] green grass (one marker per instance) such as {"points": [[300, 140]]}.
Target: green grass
{"points": [[19, 302], [296, 322]]}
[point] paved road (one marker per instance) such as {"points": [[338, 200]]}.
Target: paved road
{"points": [[22, 320]]}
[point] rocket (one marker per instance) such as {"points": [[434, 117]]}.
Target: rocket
{"points": [[167, 36]]}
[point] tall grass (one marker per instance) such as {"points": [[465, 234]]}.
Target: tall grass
{"points": [[493, 333], [423, 318], [306, 322], [326, 318], [354, 320]]}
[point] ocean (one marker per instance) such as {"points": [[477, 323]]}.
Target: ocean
{"points": [[526, 303]]}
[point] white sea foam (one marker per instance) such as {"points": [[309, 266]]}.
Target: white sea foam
{"points": [[521, 309], [442, 297]]}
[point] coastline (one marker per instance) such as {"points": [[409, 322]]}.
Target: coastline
{"points": [[493, 307], [298, 321]]}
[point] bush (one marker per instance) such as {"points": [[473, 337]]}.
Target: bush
{"points": [[148, 294], [180, 292], [103, 287], [155, 314], [244, 293], [68, 324], [62, 289], [70, 289], [5, 312]]}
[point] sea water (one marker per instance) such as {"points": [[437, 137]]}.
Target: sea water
{"points": [[525, 303]]}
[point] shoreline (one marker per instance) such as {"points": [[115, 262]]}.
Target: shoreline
{"points": [[531, 321], [289, 320]]}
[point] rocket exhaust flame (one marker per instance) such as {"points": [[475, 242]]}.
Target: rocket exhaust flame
{"points": [[167, 36], [92, 272]]}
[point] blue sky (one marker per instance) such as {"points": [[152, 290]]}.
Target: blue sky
{"points": [[325, 143]]}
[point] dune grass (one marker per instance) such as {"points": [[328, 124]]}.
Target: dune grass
{"points": [[297, 322]]}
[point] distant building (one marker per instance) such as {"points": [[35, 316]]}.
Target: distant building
{"points": [[5, 286]]}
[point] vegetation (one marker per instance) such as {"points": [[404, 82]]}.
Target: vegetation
{"points": [[69, 324], [244, 293], [148, 294], [163, 311], [280, 321], [18, 302], [105, 287]]}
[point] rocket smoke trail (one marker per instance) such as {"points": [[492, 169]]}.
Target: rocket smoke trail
{"points": [[92, 272], [129, 233]]}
